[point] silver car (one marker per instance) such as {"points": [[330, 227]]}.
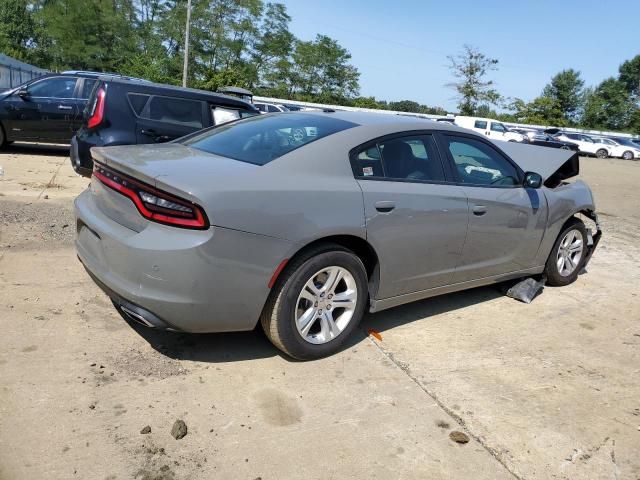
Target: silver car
{"points": [[245, 222]]}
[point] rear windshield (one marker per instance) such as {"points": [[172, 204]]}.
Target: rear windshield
{"points": [[264, 138]]}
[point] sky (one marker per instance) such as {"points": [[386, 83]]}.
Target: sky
{"points": [[400, 47]]}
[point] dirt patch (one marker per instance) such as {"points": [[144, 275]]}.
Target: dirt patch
{"points": [[149, 363]]}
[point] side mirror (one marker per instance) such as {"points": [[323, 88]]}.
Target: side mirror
{"points": [[532, 180], [23, 93]]}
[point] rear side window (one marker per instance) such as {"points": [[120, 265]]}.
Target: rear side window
{"points": [[175, 110], [403, 158], [480, 124], [87, 88], [137, 102], [261, 139]]}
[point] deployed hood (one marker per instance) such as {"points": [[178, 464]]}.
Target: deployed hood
{"points": [[553, 164]]}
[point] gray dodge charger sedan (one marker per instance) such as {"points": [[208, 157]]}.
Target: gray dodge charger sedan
{"points": [[247, 222]]}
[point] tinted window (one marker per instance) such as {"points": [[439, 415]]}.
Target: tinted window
{"points": [[497, 127], [411, 158], [261, 139], [480, 124], [60, 87], [479, 164], [260, 106], [176, 110], [137, 101], [272, 108], [87, 88]]}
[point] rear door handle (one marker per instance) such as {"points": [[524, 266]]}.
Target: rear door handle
{"points": [[64, 107], [385, 206], [479, 210]]}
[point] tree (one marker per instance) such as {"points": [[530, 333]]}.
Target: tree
{"points": [[87, 34], [630, 75], [317, 69], [17, 28], [470, 68], [609, 106], [540, 111], [566, 91]]}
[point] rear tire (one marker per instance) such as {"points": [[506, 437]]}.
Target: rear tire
{"points": [[628, 155], [3, 138], [307, 325], [602, 153], [568, 254]]}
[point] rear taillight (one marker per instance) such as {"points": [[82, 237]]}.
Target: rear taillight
{"points": [[97, 115], [153, 204]]}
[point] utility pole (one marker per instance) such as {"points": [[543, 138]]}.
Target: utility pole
{"points": [[186, 45]]}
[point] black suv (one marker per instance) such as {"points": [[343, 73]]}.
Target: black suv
{"points": [[128, 112], [46, 109]]}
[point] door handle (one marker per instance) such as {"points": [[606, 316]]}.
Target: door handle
{"points": [[385, 206], [479, 210], [64, 107], [151, 133]]}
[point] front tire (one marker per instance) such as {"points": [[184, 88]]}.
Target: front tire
{"points": [[316, 303], [602, 153], [568, 254], [3, 138], [627, 155]]}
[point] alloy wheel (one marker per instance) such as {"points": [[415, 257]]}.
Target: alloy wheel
{"points": [[326, 305], [569, 252]]}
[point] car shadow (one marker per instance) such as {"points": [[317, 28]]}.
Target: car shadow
{"points": [[239, 346], [44, 149]]}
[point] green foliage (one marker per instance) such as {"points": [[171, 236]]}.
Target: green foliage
{"points": [[540, 111], [609, 106], [17, 29], [630, 75], [470, 69], [563, 93]]}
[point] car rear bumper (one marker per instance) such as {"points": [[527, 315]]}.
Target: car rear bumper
{"points": [[211, 280], [81, 160]]}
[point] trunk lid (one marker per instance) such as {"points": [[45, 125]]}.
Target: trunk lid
{"points": [[182, 171]]}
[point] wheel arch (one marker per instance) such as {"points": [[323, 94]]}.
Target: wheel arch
{"points": [[358, 245]]}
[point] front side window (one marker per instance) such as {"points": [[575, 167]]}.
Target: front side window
{"points": [[59, 87], [480, 164], [176, 110], [273, 108], [498, 127], [264, 138], [480, 124]]}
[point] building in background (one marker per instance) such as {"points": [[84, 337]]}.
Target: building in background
{"points": [[14, 72]]}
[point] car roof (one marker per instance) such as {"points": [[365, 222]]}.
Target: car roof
{"points": [[366, 119], [179, 91]]}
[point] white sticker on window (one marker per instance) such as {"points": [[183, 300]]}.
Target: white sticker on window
{"points": [[367, 171]]}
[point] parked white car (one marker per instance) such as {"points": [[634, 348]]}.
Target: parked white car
{"points": [[491, 128], [586, 144], [270, 107], [620, 148]]}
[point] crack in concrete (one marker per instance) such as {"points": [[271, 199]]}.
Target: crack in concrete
{"points": [[405, 368]]}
